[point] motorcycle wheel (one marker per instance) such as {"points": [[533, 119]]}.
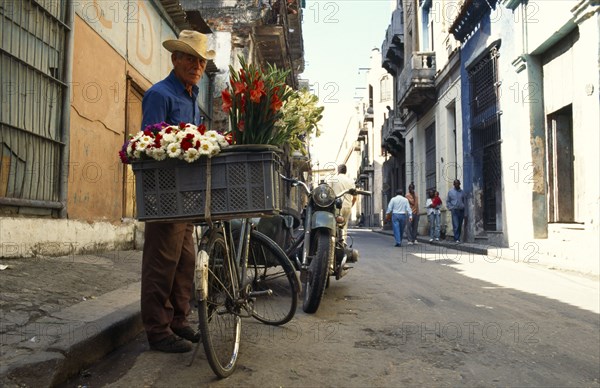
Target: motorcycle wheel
{"points": [[318, 270]]}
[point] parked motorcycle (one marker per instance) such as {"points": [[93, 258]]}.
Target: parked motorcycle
{"points": [[318, 250]]}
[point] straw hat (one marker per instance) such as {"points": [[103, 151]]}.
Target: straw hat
{"points": [[190, 42]]}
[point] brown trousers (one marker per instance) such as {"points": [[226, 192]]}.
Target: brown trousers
{"points": [[167, 277]]}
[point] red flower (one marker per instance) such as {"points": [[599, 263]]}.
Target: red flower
{"points": [[240, 87], [229, 137], [227, 102], [241, 125], [202, 129], [257, 92], [157, 140], [276, 103], [182, 125]]}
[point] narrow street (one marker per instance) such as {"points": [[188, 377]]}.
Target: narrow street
{"points": [[411, 316]]}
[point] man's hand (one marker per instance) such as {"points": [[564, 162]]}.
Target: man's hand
{"points": [[388, 217]]}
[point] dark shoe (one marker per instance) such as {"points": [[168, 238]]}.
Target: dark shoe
{"points": [[171, 344], [188, 333], [397, 245]]}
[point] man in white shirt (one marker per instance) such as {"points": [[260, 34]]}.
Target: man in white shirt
{"points": [[339, 183], [398, 211]]}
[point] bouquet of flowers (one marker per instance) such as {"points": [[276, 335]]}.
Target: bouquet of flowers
{"points": [[184, 141], [253, 101], [299, 118]]}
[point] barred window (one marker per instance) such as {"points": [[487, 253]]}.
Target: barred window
{"points": [[430, 177], [32, 64]]}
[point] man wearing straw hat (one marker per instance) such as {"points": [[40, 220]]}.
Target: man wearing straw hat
{"points": [[169, 254]]}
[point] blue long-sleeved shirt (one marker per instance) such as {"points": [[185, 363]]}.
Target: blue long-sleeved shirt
{"points": [[455, 199], [400, 205], [168, 101]]}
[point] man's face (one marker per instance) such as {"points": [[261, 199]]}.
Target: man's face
{"points": [[188, 68], [457, 185]]}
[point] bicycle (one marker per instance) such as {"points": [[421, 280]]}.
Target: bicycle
{"points": [[240, 273]]}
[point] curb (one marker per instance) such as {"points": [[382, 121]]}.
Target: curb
{"points": [[73, 339], [465, 247]]}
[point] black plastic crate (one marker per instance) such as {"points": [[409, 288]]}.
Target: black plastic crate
{"points": [[243, 184]]}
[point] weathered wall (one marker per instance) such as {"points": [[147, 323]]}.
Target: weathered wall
{"points": [[97, 128]]}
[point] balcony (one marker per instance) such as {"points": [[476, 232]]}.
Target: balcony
{"points": [[470, 13], [416, 84], [392, 48], [278, 37], [392, 134], [365, 166]]}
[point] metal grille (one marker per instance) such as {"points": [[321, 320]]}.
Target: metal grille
{"points": [[430, 177], [485, 134], [492, 172], [482, 81], [32, 37]]}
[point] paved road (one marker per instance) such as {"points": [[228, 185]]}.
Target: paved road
{"points": [[414, 316]]}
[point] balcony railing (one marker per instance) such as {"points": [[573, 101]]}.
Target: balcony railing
{"points": [[416, 86]]}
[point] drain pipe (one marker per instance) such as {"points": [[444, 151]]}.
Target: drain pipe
{"points": [[65, 121]]}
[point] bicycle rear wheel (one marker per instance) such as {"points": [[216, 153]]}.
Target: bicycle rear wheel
{"points": [[274, 284], [219, 321]]}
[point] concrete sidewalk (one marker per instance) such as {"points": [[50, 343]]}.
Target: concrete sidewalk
{"points": [[61, 315], [522, 254]]}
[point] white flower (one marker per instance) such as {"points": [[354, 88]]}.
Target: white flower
{"points": [[206, 148], [158, 153], [167, 139], [223, 142], [191, 155], [174, 150]]}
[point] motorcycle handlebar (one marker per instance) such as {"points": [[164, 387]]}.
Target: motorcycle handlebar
{"points": [[295, 182]]}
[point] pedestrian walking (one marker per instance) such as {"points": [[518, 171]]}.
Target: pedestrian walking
{"points": [[168, 257], [456, 204], [398, 211], [413, 225], [433, 205]]}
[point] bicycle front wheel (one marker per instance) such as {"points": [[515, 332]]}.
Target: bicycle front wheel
{"points": [[219, 320], [273, 283]]}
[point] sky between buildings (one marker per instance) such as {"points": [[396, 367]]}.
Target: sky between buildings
{"points": [[338, 38]]}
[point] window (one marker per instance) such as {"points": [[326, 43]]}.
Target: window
{"points": [[430, 177], [32, 62], [426, 43], [561, 176], [385, 89], [485, 135], [412, 159]]}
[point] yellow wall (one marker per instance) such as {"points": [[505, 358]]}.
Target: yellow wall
{"points": [[113, 42]]}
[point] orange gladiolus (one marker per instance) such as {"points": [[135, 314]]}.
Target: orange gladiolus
{"points": [[227, 102], [276, 103], [240, 87], [257, 92]]}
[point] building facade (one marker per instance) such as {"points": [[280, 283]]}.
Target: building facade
{"points": [[422, 133], [502, 95], [73, 78], [530, 117]]}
